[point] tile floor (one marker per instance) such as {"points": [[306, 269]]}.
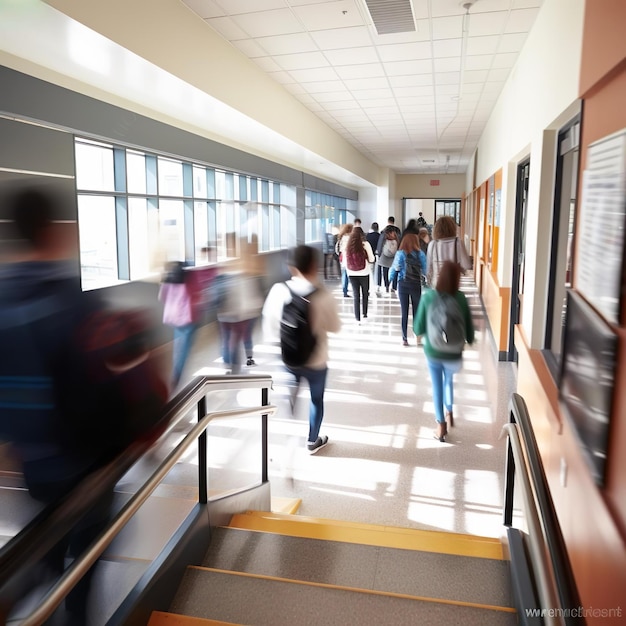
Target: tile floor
{"points": [[383, 465]]}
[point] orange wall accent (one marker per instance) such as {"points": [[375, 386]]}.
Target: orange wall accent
{"points": [[595, 547], [497, 302], [604, 44]]}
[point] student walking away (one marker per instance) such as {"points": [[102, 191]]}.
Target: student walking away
{"points": [[239, 307], [409, 265], [372, 237], [76, 381], [387, 248], [411, 227], [299, 314], [180, 312], [445, 246], [424, 238], [445, 323], [359, 259], [342, 242], [421, 221]]}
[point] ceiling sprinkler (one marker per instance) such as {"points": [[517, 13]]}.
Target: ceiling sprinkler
{"points": [[467, 4]]}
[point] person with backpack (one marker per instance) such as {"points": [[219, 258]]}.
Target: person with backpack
{"points": [[359, 259], [298, 314], [387, 248], [409, 265], [445, 246], [342, 242], [445, 323]]}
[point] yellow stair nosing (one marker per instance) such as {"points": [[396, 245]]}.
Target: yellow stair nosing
{"points": [[374, 592], [162, 618], [370, 534]]}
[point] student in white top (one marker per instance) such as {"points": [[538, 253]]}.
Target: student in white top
{"points": [[445, 246], [359, 257]]}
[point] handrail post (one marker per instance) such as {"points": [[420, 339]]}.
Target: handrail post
{"points": [[203, 488], [264, 436]]}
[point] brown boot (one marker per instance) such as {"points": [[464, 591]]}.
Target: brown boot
{"points": [[450, 418], [441, 431]]}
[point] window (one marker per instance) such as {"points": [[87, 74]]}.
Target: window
{"points": [[564, 218], [138, 210]]}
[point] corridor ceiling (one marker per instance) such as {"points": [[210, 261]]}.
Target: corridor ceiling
{"points": [[409, 83]]}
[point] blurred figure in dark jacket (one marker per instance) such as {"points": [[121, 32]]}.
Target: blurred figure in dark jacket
{"points": [[41, 305]]}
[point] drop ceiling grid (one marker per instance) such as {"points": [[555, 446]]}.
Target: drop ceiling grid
{"points": [[393, 96]]}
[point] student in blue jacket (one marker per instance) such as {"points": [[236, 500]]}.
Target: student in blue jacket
{"points": [[409, 265]]}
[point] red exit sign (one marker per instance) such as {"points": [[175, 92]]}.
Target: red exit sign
{"points": [[434, 182]]}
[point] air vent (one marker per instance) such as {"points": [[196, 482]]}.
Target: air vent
{"points": [[391, 16]]}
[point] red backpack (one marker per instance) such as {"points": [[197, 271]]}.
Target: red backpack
{"points": [[356, 261]]}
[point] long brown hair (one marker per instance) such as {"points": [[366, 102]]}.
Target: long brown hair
{"points": [[409, 243], [355, 243], [449, 279]]}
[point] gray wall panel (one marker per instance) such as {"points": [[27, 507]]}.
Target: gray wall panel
{"points": [[35, 149], [36, 99]]}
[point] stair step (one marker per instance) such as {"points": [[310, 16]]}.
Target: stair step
{"points": [[370, 534], [367, 567], [250, 599], [160, 618]]}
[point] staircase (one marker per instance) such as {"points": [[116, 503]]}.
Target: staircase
{"points": [[275, 568]]}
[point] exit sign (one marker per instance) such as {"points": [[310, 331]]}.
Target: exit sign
{"points": [[434, 182]]}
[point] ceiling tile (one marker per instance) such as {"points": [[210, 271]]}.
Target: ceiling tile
{"points": [[487, 23], [322, 16], [352, 56], [407, 68], [314, 75], [233, 7], [288, 44], [338, 38], [250, 48], [205, 8], [521, 21], [268, 23], [371, 70], [227, 28], [404, 51], [304, 61]]}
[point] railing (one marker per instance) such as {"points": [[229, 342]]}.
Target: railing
{"points": [[25, 550], [545, 589]]}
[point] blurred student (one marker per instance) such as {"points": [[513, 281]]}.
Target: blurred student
{"points": [[324, 319], [359, 261], [342, 242], [41, 305]]}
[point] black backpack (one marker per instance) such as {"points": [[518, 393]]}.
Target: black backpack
{"points": [[413, 273], [297, 341]]}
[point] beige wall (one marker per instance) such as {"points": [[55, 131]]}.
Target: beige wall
{"points": [[419, 186]]}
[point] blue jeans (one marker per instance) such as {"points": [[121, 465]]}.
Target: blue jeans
{"points": [[183, 340], [317, 384], [442, 377], [344, 281], [408, 291]]}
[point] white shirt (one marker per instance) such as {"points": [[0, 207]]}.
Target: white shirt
{"points": [[324, 315]]}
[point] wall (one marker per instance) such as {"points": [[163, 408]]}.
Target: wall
{"points": [[542, 86], [418, 186], [592, 518]]}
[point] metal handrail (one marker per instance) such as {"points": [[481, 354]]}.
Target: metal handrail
{"points": [[555, 586], [48, 528], [541, 569]]}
